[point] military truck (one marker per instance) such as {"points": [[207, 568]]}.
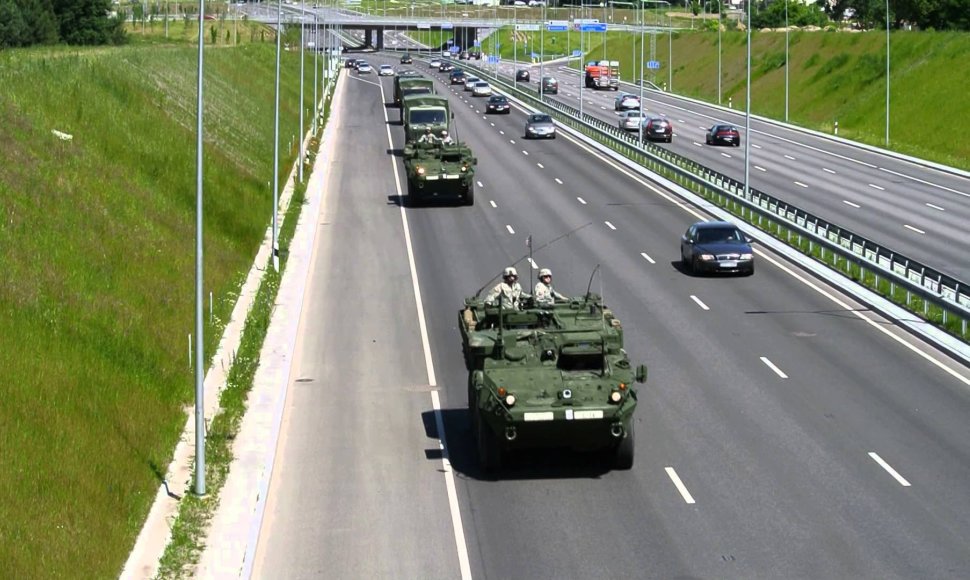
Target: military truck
{"points": [[411, 84], [439, 172], [549, 377], [420, 112]]}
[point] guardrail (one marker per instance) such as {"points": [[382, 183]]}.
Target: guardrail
{"points": [[928, 293]]}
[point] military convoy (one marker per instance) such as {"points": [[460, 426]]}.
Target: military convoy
{"points": [[549, 377]]}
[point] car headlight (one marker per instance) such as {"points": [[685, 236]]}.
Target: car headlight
{"points": [[706, 257], [747, 256], [420, 170], [531, 129]]}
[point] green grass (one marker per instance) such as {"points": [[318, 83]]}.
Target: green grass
{"points": [[97, 299]]}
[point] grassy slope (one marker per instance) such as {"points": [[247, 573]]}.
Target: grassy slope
{"points": [[97, 296], [833, 76]]}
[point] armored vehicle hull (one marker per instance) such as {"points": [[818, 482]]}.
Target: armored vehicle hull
{"points": [[440, 174], [552, 377]]}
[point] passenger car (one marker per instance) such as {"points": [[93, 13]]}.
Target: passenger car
{"points": [[386, 70], [723, 134], [498, 104], [540, 126], [522, 75], [435, 63], [457, 77], [630, 120], [364, 68], [658, 128], [406, 59], [626, 102], [350, 63], [550, 86], [481, 89], [470, 82], [716, 247], [445, 67]]}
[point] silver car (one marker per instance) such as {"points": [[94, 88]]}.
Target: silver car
{"points": [[386, 70], [630, 120], [481, 89], [626, 102], [540, 126], [470, 82], [364, 68]]}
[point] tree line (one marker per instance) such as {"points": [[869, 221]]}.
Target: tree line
{"points": [[79, 22]]}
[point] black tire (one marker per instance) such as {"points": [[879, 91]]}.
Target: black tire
{"points": [[625, 450], [470, 194], [750, 272], [489, 449]]}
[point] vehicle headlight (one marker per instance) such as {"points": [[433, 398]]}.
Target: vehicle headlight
{"points": [[464, 168], [747, 256], [509, 400], [616, 397], [420, 170], [706, 257]]}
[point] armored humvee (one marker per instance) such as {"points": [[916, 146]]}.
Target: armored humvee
{"points": [[548, 377]]}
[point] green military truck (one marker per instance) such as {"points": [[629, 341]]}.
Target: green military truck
{"points": [[412, 84], [549, 377], [422, 111], [438, 170]]}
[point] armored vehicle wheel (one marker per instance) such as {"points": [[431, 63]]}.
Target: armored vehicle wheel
{"points": [[470, 194], [489, 447], [623, 458]]}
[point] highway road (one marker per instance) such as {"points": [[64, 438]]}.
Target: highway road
{"points": [[785, 430]]}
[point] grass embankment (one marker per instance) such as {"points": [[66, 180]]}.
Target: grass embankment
{"points": [[97, 300], [833, 76]]}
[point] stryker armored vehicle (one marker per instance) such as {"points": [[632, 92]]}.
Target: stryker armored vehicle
{"points": [[411, 83], [439, 173], [549, 377]]}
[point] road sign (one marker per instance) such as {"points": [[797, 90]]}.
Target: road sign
{"points": [[586, 20], [653, 64], [577, 53], [447, 25], [424, 26], [527, 27], [492, 60], [557, 28], [599, 27], [478, 43], [455, 49]]}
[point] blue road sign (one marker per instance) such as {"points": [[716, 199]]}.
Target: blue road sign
{"points": [[653, 64], [492, 60], [598, 27], [478, 43], [447, 25], [534, 55], [455, 49], [554, 28], [577, 53]]}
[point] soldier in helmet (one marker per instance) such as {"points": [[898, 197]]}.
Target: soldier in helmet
{"points": [[508, 291], [429, 137], [446, 138], [545, 294]]}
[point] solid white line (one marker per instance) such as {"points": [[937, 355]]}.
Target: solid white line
{"points": [[699, 303], [726, 155], [559, 181], [935, 207], [540, 166], [647, 258], [679, 485], [827, 170], [799, 183], [581, 200], [964, 194], [874, 186], [493, 203], [789, 157], [889, 469], [459, 530], [609, 225], [917, 230], [509, 228], [760, 168], [772, 366], [847, 202], [524, 152], [479, 184]]}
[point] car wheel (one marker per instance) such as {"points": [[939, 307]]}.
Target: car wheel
{"points": [[693, 265], [623, 457], [750, 271]]}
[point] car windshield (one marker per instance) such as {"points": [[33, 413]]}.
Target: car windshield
{"points": [[540, 119], [428, 116], [416, 91], [497, 100], [481, 84], [718, 235], [727, 128]]}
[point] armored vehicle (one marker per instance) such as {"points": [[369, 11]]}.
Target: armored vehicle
{"points": [[439, 172], [549, 377], [411, 84]]}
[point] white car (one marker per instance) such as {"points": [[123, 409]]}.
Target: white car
{"points": [[386, 70], [364, 68], [626, 102], [481, 89], [435, 63], [470, 82]]}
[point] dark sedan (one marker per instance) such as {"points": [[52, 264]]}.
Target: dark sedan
{"points": [[522, 75], [457, 77], [716, 247], [406, 59], [498, 104], [723, 135]]}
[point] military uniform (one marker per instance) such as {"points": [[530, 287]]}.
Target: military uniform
{"points": [[508, 292], [546, 295]]}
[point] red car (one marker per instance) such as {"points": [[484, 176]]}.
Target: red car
{"points": [[658, 128], [723, 135]]}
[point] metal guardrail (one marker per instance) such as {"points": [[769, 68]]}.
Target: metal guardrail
{"points": [[935, 296]]}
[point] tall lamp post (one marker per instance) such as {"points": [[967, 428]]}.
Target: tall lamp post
{"points": [[786, 59], [199, 340], [276, 133], [887, 73], [747, 109], [302, 53]]}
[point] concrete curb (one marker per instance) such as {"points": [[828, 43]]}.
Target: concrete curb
{"points": [[156, 533]]}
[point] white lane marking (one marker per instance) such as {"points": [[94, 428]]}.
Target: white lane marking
{"points": [[647, 258], [756, 146], [725, 155], [524, 152], [679, 485], [772, 366], [459, 530], [680, 120], [935, 207], [874, 186], [611, 226], [492, 124], [702, 128], [760, 168], [827, 170], [699, 302], [533, 264], [789, 157], [943, 187], [540, 166], [602, 107], [581, 200], [501, 132], [559, 181], [509, 228], [698, 144], [493, 203], [847, 202], [800, 184], [917, 230], [479, 184], [875, 457]]}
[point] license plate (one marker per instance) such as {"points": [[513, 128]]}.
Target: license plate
{"points": [[728, 264]]}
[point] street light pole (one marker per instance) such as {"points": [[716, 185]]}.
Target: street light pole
{"points": [[747, 112], [787, 28], [302, 53], [276, 133], [720, 23], [199, 337], [887, 73]]}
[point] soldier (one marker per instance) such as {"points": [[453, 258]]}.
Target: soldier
{"points": [[508, 291], [545, 294], [429, 137], [446, 138]]}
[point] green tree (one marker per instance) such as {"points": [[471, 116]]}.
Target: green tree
{"points": [[13, 28], [87, 22]]}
